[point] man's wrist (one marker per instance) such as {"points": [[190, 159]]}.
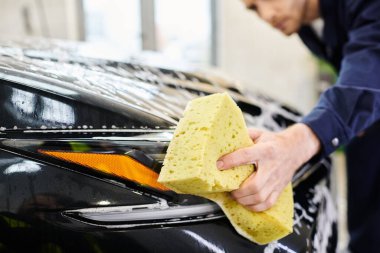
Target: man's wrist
{"points": [[306, 139]]}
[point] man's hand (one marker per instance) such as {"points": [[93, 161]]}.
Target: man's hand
{"points": [[277, 156]]}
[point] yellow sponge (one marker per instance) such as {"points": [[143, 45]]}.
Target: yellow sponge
{"points": [[259, 227], [211, 127]]}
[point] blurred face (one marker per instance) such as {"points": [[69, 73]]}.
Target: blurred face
{"points": [[285, 15]]}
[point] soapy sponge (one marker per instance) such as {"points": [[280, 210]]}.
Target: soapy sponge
{"points": [[211, 127], [259, 227]]}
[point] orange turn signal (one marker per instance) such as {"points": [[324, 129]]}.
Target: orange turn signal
{"points": [[115, 164]]}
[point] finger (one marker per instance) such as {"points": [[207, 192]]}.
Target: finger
{"points": [[255, 199], [241, 156], [255, 183], [266, 204]]}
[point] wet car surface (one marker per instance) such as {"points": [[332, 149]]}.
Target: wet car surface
{"points": [[69, 123]]}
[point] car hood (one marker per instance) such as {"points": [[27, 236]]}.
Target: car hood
{"points": [[130, 90]]}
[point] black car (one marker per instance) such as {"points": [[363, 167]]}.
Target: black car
{"points": [[82, 141]]}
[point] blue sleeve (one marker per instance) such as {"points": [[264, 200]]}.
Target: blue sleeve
{"points": [[353, 103]]}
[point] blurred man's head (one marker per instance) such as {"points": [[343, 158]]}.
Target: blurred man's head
{"points": [[285, 15]]}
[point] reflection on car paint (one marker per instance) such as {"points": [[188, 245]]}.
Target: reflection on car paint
{"points": [[204, 242], [22, 167], [50, 110]]}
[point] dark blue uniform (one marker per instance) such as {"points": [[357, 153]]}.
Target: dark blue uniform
{"points": [[348, 113]]}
